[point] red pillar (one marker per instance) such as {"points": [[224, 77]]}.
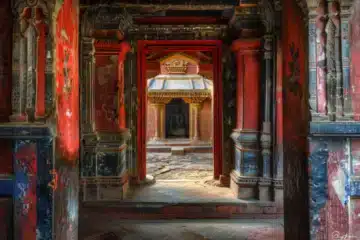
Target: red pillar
{"points": [[125, 48], [248, 84], [247, 132]]}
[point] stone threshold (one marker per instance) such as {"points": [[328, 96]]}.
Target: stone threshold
{"points": [[200, 210], [188, 149]]}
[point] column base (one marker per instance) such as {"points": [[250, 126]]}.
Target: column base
{"points": [[244, 187], [18, 118], [225, 180], [265, 189], [278, 193], [104, 188]]}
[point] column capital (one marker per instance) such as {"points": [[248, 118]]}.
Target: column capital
{"points": [[246, 45]]}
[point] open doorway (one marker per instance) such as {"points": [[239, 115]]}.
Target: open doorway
{"points": [[169, 72], [180, 122], [179, 115]]}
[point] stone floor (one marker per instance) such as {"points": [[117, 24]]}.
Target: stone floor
{"points": [[192, 166], [183, 230], [181, 192]]}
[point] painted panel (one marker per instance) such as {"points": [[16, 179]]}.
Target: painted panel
{"points": [[319, 153], [106, 93], [25, 209], [355, 157], [354, 231], [46, 184], [250, 164], [337, 167], [333, 212]]}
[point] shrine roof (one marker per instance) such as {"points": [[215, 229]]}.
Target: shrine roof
{"points": [[179, 82]]}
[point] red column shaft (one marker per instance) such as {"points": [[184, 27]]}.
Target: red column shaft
{"points": [[122, 115], [248, 83]]}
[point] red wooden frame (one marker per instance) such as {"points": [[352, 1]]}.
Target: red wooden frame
{"points": [[147, 46]]}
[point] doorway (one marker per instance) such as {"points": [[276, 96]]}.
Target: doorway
{"points": [[145, 48], [177, 119]]}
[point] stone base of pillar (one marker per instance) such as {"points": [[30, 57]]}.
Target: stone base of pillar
{"points": [[265, 189], [224, 180], [278, 193], [18, 118], [243, 187], [104, 188]]}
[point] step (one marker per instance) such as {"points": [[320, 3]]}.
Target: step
{"points": [[177, 151], [147, 210], [190, 149]]}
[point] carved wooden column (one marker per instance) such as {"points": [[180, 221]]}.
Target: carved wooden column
{"points": [[265, 180], [333, 62], [160, 121], [194, 114], [159, 102], [196, 107], [244, 178], [29, 86]]}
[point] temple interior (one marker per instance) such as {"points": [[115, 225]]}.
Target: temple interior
{"points": [[182, 120]]}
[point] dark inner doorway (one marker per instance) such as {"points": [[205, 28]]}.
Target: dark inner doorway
{"points": [[177, 119]]}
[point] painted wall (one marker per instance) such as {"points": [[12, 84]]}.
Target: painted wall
{"points": [[106, 93], [334, 206], [295, 121], [334, 161], [66, 33]]}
